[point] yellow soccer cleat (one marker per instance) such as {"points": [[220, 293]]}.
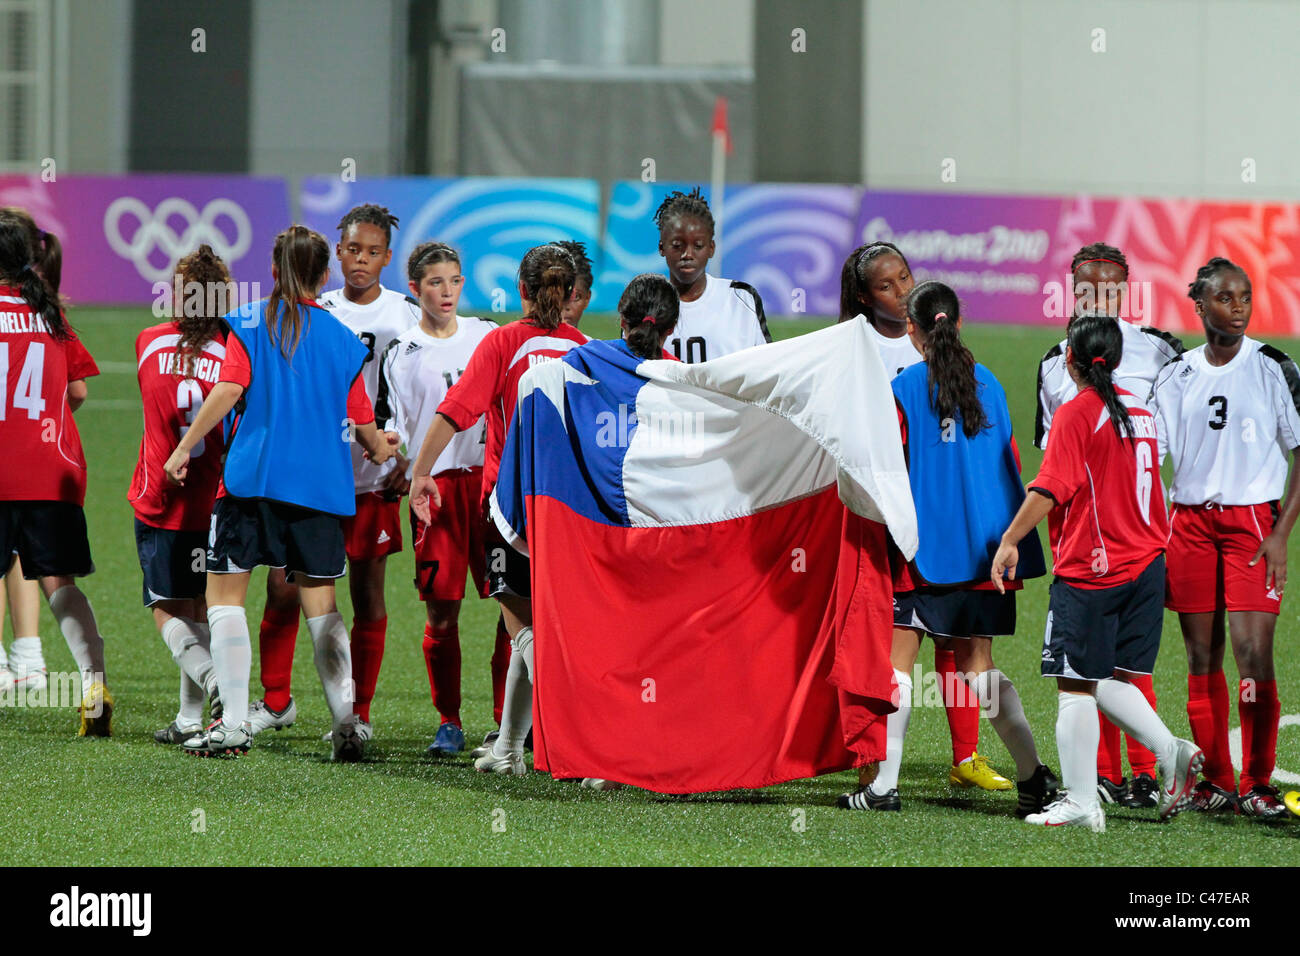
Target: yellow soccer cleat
{"points": [[976, 772], [1292, 801], [96, 712]]}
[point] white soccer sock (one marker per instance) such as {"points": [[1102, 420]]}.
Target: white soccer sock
{"points": [[1129, 710], [523, 644], [192, 697], [1002, 706], [516, 709], [27, 652], [232, 658], [190, 652], [333, 656], [895, 731], [77, 622], [1077, 736]]}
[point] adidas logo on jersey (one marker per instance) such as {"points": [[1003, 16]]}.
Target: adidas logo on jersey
{"points": [[383, 538], [412, 347]]}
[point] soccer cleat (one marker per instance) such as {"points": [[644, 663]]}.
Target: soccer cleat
{"points": [[1066, 813], [1291, 800], [976, 772], [512, 763], [173, 733], [1262, 803], [349, 739], [1176, 787], [219, 741], [450, 739], [1208, 798], [597, 783], [485, 748], [1038, 792], [215, 708], [96, 712], [29, 673], [864, 798], [1143, 792], [1110, 792], [260, 717]]}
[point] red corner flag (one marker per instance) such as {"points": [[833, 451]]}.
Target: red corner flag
{"points": [[720, 124]]}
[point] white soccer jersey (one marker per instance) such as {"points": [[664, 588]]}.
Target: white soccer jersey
{"points": [[415, 374], [726, 318], [897, 354], [376, 324], [1145, 352], [1228, 430]]}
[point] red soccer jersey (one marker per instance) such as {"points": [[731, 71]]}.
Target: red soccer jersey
{"points": [[490, 382], [170, 404], [1109, 522], [41, 442]]}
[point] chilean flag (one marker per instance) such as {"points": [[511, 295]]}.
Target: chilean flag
{"points": [[708, 614]]}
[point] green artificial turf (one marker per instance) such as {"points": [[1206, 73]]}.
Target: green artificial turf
{"points": [[130, 801]]}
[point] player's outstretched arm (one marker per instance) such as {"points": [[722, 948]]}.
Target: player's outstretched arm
{"points": [[424, 490], [379, 446], [215, 407], [1033, 509], [1273, 548]]}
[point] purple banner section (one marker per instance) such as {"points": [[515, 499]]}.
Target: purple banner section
{"points": [[996, 252], [491, 222], [788, 240], [123, 234]]}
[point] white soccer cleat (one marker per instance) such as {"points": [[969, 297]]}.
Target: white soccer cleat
{"points": [[512, 763], [29, 674], [596, 783], [349, 739], [260, 717], [1066, 813], [1178, 777], [485, 748]]}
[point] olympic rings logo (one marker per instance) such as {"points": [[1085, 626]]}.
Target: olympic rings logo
{"points": [[155, 232]]}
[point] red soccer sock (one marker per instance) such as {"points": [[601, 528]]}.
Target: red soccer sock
{"points": [[500, 665], [275, 644], [367, 655], [961, 706], [1108, 757], [442, 662], [1259, 708], [1141, 760], [1207, 711]]}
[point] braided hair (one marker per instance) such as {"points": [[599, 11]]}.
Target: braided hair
{"points": [[679, 205], [1099, 250], [372, 214], [1198, 289]]}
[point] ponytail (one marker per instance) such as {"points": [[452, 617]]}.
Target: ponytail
{"points": [[17, 265], [204, 268], [301, 259], [548, 274], [1097, 344], [648, 312], [954, 392]]}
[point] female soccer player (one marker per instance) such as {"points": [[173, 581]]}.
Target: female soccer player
{"points": [[1107, 599], [489, 385], [965, 479], [41, 516], [718, 316], [26, 664], [297, 370], [177, 364], [875, 282], [417, 371], [377, 316], [1229, 412], [581, 297], [1099, 273]]}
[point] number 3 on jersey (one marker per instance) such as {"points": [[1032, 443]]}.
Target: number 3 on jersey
{"points": [[189, 398], [27, 391]]}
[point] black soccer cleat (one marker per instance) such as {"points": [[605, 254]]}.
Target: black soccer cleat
{"points": [[173, 734], [1262, 803], [219, 741], [1036, 793], [864, 799], [1209, 798], [1143, 792], [1110, 792]]}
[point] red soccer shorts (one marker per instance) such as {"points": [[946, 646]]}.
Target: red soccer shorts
{"points": [[1209, 553], [375, 530], [452, 546]]}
